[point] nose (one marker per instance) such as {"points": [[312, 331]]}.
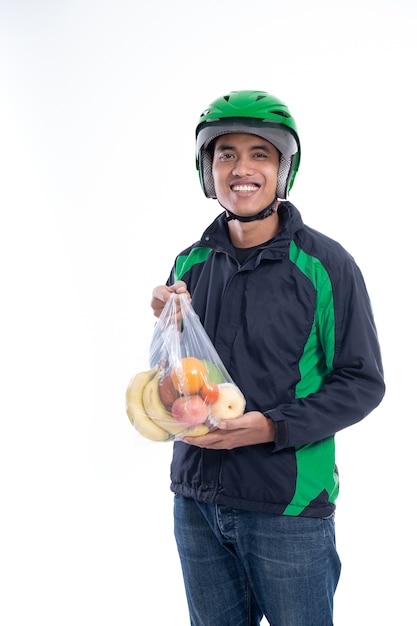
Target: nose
{"points": [[242, 166]]}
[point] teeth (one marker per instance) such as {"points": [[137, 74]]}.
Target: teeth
{"points": [[244, 188]]}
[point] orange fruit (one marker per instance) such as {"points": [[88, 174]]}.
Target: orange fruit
{"points": [[188, 375]]}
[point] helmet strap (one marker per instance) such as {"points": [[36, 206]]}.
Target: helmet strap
{"points": [[252, 218]]}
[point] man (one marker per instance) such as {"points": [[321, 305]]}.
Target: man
{"points": [[288, 313]]}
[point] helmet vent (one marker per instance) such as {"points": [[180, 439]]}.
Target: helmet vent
{"points": [[260, 98], [227, 98], [281, 113]]}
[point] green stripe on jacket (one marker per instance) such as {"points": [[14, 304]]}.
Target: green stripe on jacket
{"points": [[184, 263], [315, 461]]}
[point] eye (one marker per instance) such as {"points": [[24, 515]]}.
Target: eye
{"points": [[225, 156]]}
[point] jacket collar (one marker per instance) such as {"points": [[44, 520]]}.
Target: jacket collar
{"points": [[216, 236]]}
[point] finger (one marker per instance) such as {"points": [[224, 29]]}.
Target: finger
{"points": [[234, 424], [160, 293], [178, 287], [204, 441]]}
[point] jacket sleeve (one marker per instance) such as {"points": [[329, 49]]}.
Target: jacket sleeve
{"points": [[354, 383]]}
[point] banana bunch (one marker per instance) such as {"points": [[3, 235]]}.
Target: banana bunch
{"points": [[148, 414]]}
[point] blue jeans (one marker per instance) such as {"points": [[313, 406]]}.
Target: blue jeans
{"points": [[239, 566]]}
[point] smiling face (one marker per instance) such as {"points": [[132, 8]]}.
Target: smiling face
{"points": [[245, 172]]}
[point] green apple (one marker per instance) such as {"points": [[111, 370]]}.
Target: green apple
{"points": [[214, 375]]}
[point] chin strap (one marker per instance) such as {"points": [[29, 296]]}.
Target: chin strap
{"points": [[259, 216]]}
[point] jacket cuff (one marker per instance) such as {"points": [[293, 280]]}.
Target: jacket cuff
{"points": [[281, 433]]}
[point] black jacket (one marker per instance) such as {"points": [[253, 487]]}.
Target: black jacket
{"points": [[293, 325]]}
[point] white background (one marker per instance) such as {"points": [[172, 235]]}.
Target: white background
{"points": [[98, 192]]}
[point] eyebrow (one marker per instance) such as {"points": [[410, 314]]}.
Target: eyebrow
{"points": [[225, 146]]}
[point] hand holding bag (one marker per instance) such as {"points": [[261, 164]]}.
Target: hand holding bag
{"points": [[187, 391]]}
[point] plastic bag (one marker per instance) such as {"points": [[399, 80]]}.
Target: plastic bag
{"points": [[187, 390]]}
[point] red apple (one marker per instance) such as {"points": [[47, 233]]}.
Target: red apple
{"points": [[190, 410], [210, 392], [167, 391]]}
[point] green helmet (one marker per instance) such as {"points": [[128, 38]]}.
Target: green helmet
{"points": [[254, 112]]}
